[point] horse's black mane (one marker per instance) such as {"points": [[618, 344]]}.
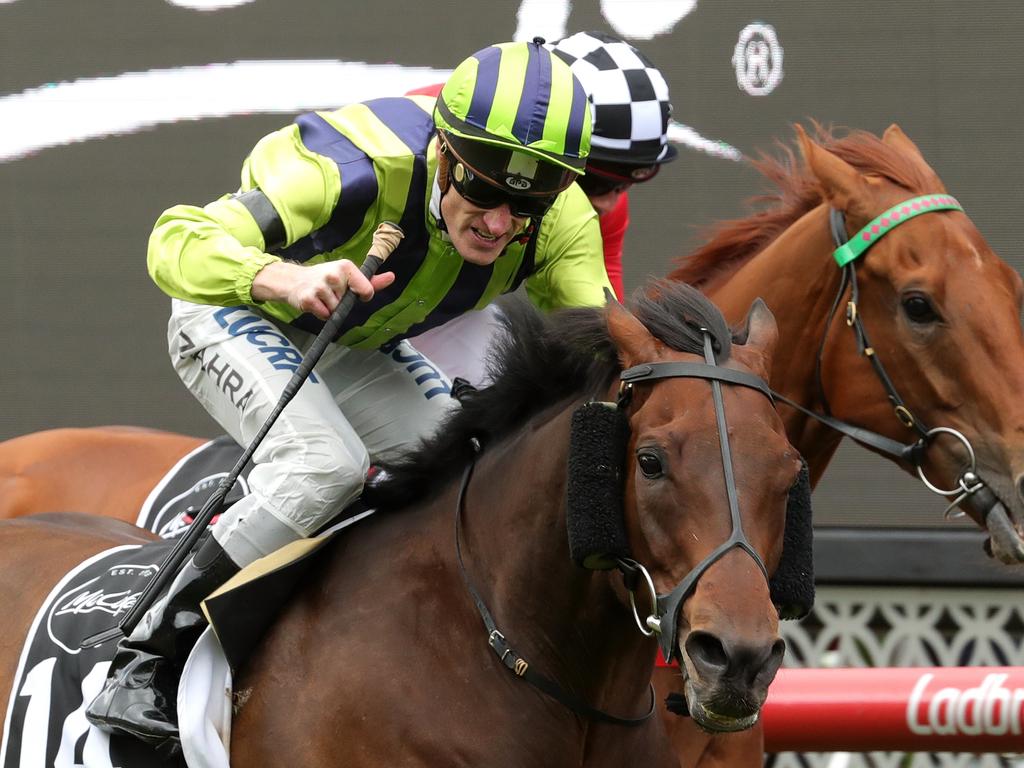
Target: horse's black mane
{"points": [[539, 361]]}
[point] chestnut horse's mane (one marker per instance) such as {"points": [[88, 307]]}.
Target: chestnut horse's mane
{"points": [[732, 243]]}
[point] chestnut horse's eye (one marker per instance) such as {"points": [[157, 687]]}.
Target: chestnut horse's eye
{"points": [[918, 309], [649, 463]]}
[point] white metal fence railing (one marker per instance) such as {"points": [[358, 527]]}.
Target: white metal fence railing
{"points": [[872, 626]]}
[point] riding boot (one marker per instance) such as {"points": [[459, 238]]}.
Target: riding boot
{"points": [[140, 696]]}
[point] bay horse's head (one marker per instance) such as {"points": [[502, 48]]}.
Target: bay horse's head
{"points": [[708, 471], [937, 313]]}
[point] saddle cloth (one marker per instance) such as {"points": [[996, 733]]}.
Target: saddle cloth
{"points": [[44, 722], [178, 497]]}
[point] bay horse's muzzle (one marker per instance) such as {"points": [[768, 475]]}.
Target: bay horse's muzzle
{"points": [[726, 683]]}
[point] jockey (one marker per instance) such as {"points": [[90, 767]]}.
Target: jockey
{"points": [[630, 105], [480, 180]]}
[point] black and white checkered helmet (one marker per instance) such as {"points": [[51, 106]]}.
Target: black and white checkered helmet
{"points": [[629, 96]]}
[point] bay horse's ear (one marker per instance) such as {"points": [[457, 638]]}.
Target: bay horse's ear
{"points": [[760, 333], [633, 341], [898, 140], [844, 186]]}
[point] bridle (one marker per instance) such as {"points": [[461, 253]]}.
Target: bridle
{"points": [[848, 250], [665, 606]]}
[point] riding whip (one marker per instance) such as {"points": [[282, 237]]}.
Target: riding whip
{"points": [[385, 240]]}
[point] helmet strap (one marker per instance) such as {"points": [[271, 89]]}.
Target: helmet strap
{"points": [[443, 163]]}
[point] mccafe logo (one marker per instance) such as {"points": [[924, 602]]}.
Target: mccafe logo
{"points": [[990, 709]]}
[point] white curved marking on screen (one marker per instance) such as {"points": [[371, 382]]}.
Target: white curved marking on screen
{"points": [[65, 113], [545, 18], [685, 135], [642, 21], [208, 5]]}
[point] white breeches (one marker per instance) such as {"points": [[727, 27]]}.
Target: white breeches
{"points": [[358, 406], [460, 346]]}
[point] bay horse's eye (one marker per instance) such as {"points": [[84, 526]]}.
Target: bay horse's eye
{"points": [[649, 463], [918, 309]]}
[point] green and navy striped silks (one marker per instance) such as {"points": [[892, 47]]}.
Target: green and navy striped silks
{"points": [[330, 178], [522, 97]]}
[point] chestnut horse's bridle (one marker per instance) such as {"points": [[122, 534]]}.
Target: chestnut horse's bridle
{"points": [[848, 250], [666, 606]]}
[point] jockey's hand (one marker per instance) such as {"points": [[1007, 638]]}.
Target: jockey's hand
{"points": [[316, 289]]}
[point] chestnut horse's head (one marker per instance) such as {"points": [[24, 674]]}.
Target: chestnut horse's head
{"points": [[938, 314], [708, 471]]}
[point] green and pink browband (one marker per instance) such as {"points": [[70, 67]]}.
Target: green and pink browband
{"points": [[884, 223]]}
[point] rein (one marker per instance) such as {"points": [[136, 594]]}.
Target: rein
{"points": [[848, 250], [519, 666], [665, 606]]}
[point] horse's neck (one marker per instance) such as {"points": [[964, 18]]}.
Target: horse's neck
{"points": [[566, 621], [798, 279]]}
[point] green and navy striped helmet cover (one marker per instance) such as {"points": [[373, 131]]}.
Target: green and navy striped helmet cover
{"points": [[520, 97]]}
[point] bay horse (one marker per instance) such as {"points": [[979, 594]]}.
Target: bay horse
{"points": [[939, 341], [701, 477]]}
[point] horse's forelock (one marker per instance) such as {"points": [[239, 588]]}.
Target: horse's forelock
{"points": [[675, 313], [730, 244]]}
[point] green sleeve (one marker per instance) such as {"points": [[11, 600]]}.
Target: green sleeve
{"points": [[210, 255], [570, 269]]}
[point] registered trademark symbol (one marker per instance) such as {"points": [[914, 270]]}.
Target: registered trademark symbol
{"points": [[757, 59]]}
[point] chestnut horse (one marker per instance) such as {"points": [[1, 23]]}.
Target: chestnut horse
{"points": [[97, 470], [938, 311], [702, 472]]}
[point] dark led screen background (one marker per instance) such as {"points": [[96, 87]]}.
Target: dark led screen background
{"points": [[111, 112]]}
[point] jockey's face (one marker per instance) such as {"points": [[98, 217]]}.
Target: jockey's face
{"points": [[479, 234], [606, 202]]}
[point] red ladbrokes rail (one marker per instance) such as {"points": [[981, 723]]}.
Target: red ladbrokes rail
{"points": [[906, 709]]}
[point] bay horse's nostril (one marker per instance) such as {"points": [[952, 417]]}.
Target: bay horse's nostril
{"points": [[707, 654], [743, 664]]}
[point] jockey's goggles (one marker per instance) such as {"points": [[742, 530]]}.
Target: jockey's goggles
{"points": [[467, 172], [601, 179]]}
